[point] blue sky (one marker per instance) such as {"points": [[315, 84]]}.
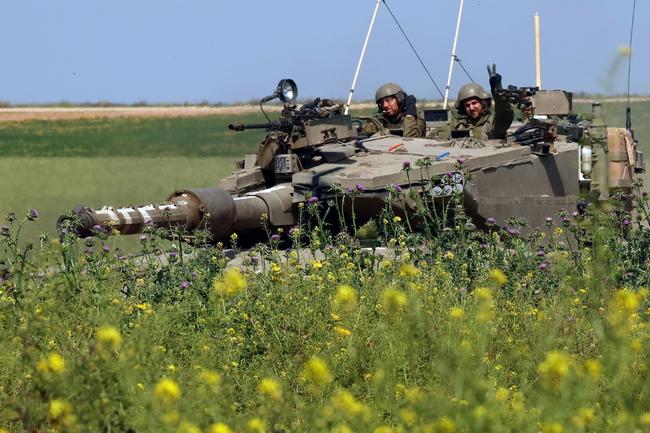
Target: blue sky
{"points": [[173, 51]]}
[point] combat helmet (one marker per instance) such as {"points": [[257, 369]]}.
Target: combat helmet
{"points": [[390, 89], [471, 90]]}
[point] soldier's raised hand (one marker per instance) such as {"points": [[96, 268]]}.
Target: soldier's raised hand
{"points": [[495, 78]]}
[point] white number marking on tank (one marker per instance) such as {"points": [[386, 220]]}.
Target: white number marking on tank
{"points": [[108, 211], [125, 213], [167, 207], [144, 210]]}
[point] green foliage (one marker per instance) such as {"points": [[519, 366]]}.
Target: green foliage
{"points": [[453, 330]]}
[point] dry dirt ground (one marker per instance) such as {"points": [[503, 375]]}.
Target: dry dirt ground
{"points": [[18, 114]]}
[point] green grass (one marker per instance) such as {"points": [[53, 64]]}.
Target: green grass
{"points": [[141, 137]]}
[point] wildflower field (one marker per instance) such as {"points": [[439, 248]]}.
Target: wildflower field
{"points": [[442, 331]]}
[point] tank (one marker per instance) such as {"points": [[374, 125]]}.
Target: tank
{"points": [[550, 161]]}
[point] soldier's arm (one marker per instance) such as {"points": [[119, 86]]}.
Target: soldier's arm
{"points": [[370, 128], [503, 116]]}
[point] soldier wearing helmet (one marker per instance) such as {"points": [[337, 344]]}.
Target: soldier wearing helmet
{"points": [[474, 111], [397, 112]]}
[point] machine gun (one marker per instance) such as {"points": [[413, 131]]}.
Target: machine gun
{"points": [[521, 97]]}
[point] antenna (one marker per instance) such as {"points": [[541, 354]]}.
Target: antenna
{"points": [[628, 111], [453, 55], [363, 53], [538, 54]]}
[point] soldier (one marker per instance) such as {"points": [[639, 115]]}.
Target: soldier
{"points": [[474, 110], [397, 111]]}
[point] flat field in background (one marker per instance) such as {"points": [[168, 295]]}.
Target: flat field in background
{"points": [[54, 165]]}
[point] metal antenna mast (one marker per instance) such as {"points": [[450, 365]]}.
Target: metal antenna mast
{"points": [[363, 53], [453, 55]]}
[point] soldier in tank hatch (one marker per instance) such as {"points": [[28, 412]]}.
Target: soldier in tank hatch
{"points": [[397, 112], [474, 112]]}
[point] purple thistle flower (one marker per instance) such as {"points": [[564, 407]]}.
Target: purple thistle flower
{"points": [[460, 161], [566, 220], [173, 254], [312, 200], [491, 221], [97, 228], [513, 231], [542, 266], [359, 187], [574, 213], [5, 230], [397, 188], [406, 165], [541, 253], [548, 220], [106, 248], [275, 238], [194, 274], [626, 222], [33, 214], [143, 238], [185, 284]]}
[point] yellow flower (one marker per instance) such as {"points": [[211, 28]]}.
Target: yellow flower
{"points": [[345, 298], [498, 276], [408, 416], [584, 417], [553, 428], [393, 301], [53, 363], [270, 388], [316, 264], [255, 425], [230, 284], [555, 367], [210, 377], [502, 394], [408, 270], [220, 427], [644, 419], [626, 301], [342, 332], [109, 337], [171, 417], [59, 408], [317, 371], [449, 255], [397, 219], [167, 391], [456, 313], [594, 368], [188, 427], [444, 425], [347, 403]]}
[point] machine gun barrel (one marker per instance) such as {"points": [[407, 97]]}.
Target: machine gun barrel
{"points": [[189, 210], [282, 124]]}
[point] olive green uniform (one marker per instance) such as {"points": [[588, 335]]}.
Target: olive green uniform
{"points": [[492, 124], [410, 126]]}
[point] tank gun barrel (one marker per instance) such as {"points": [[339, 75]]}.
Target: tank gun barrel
{"points": [[189, 210]]}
